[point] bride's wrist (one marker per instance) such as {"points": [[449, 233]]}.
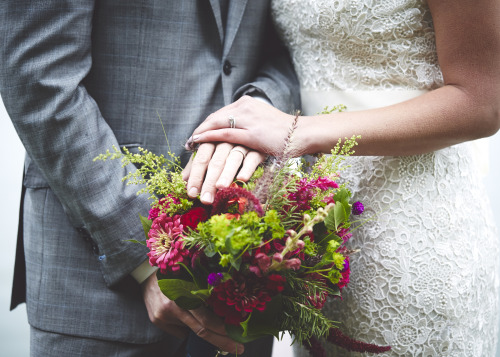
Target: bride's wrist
{"points": [[308, 136]]}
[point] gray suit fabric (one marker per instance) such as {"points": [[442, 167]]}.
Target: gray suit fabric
{"points": [[80, 76]]}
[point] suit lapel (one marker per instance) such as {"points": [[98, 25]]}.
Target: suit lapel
{"points": [[234, 16], [218, 18]]}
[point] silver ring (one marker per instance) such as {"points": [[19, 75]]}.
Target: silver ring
{"points": [[240, 150], [232, 122]]}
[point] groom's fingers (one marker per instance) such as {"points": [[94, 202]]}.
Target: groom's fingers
{"points": [[215, 166], [198, 168], [236, 157], [210, 320], [200, 324], [253, 159]]}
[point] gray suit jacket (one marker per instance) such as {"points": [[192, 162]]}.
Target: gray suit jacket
{"points": [[79, 76]]}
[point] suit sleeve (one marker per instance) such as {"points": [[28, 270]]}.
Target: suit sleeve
{"points": [[45, 56], [276, 78]]}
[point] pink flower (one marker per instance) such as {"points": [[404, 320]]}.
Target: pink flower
{"points": [[165, 243], [344, 280], [344, 234], [306, 190]]}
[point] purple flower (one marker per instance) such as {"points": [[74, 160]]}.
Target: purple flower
{"points": [[214, 278], [357, 208]]}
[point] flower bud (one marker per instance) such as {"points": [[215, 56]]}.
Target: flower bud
{"points": [[293, 263], [278, 257]]}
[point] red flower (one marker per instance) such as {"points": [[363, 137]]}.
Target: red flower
{"points": [[236, 298], [338, 338], [194, 216], [226, 197], [275, 283]]}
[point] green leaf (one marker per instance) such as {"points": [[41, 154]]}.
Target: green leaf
{"points": [[339, 214], [181, 292], [236, 263], [189, 303], [260, 324], [329, 222], [244, 326], [342, 195], [146, 225], [137, 241], [202, 293], [235, 332], [210, 250]]}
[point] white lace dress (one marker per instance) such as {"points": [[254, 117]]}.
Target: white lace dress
{"points": [[426, 279]]}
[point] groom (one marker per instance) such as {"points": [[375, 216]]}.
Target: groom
{"points": [[80, 76]]}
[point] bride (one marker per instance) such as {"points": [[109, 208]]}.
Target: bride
{"points": [[421, 82]]}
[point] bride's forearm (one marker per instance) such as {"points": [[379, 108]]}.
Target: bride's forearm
{"points": [[440, 118]]}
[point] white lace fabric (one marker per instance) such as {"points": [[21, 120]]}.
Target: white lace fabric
{"points": [[361, 44], [426, 278]]}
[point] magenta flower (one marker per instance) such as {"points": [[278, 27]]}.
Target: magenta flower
{"points": [[214, 278], [165, 243], [306, 190], [163, 203], [357, 208]]}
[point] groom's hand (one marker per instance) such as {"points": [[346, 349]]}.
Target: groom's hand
{"points": [[215, 166], [168, 316]]}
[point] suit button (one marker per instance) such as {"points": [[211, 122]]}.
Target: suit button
{"points": [[227, 68]]}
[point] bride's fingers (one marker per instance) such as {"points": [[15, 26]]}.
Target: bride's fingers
{"points": [[253, 159], [234, 136]]}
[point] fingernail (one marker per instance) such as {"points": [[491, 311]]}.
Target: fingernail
{"points": [[207, 197], [196, 137], [241, 349], [193, 192]]}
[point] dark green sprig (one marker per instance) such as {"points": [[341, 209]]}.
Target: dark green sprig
{"points": [[304, 321]]}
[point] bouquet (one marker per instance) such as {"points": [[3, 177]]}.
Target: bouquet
{"points": [[266, 255]]}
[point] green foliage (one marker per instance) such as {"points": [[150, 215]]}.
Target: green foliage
{"points": [[159, 175], [146, 225], [259, 323], [181, 291], [331, 165]]}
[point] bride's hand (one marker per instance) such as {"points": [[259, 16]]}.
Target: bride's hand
{"points": [[248, 122]]}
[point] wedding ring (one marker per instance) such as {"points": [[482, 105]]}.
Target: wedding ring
{"points": [[240, 150], [232, 122]]}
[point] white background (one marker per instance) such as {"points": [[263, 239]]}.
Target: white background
{"points": [[14, 329]]}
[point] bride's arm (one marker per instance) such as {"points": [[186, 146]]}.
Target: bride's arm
{"points": [[465, 108]]}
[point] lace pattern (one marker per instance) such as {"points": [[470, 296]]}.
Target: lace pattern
{"points": [[426, 278], [362, 44]]}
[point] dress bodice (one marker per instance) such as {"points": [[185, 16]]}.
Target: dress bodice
{"points": [[360, 44]]}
